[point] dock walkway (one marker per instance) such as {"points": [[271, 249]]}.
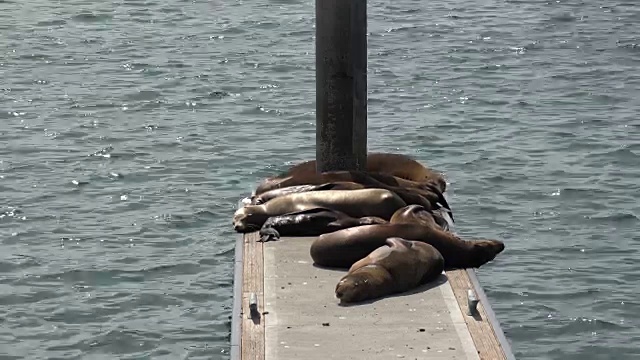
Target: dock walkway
{"points": [[298, 316]]}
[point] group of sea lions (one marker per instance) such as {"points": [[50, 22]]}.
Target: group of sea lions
{"points": [[386, 224]]}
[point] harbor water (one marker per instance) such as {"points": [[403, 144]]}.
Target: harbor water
{"points": [[130, 129]]}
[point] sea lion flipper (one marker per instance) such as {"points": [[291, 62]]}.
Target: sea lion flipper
{"points": [[442, 201], [269, 234], [448, 211]]}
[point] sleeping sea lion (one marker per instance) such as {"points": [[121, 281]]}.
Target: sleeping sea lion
{"points": [[312, 222], [426, 194], [266, 196], [398, 266], [399, 165], [344, 247], [361, 177], [355, 203]]}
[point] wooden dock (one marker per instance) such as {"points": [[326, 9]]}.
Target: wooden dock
{"points": [[297, 316]]}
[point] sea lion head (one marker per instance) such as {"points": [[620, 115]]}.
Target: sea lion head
{"points": [[485, 251], [363, 283], [249, 218], [353, 287]]}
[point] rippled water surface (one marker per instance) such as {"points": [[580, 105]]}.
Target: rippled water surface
{"points": [[129, 130]]}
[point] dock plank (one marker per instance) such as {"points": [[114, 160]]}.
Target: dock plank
{"points": [[481, 330], [253, 329]]}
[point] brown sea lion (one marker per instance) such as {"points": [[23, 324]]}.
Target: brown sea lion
{"points": [[344, 247], [428, 195], [355, 203], [266, 196], [398, 266], [312, 222], [361, 177], [398, 165]]}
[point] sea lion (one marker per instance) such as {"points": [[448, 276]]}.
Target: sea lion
{"points": [[312, 222], [398, 266], [355, 203], [266, 196], [361, 177], [427, 195], [398, 165], [344, 247]]}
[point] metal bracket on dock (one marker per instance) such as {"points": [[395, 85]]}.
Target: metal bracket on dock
{"points": [[472, 303], [253, 306]]}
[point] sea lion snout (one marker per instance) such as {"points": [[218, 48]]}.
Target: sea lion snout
{"points": [[485, 251], [238, 218], [351, 288]]}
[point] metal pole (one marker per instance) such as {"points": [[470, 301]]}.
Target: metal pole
{"points": [[341, 85]]}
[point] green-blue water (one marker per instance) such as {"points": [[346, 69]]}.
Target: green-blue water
{"points": [[130, 129]]}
